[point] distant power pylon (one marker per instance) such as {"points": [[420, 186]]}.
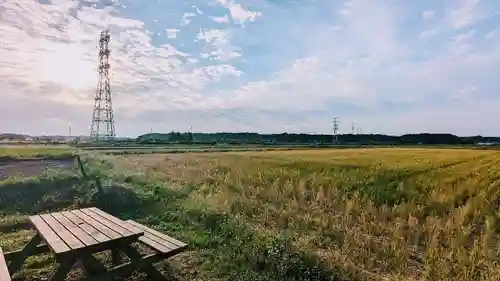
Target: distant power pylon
{"points": [[335, 130], [103, 123]]}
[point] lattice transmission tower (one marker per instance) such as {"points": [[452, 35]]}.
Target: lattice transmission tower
{"points": [[103, 123], [335, 130]]}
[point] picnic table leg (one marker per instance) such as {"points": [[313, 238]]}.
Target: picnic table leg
{"points": [[19, 259], [135, 256], [62, 271], [115, 256], [92, 266]]}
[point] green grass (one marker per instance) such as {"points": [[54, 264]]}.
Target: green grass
{"points": [[29, 152], [354, 214]]}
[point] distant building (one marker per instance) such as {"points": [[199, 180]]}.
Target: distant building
{"points": [[487, 143]]}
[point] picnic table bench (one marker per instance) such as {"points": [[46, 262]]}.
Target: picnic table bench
{"points": [[76, 235]]}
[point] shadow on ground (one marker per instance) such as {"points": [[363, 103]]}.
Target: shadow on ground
{"points": [[32, 167], [40, 195]]}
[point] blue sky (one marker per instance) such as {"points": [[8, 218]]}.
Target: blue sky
{"points": [[269, 66]]}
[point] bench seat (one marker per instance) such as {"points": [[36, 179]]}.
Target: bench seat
{"points": [[159, 242], [4, 270]]}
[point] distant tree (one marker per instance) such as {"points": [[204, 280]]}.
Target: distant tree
{"points": [[285, 138]]}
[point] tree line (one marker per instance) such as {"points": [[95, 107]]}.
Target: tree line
{"points": [[285, 138]]}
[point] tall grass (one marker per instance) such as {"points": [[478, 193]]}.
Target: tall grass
{"points": [[219, 244], [355, 214], [379, 214]]}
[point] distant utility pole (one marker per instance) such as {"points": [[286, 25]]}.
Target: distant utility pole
{"points": [[335, 130], [352, 128]]}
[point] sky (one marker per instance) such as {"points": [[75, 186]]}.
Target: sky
{"points": [[268, 66]]}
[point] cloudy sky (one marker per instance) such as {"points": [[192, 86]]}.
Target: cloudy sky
{"points": [[253, 65]]}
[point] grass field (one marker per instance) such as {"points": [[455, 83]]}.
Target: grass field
{"points": [[401, 214], [350, 214], [33, 151]]}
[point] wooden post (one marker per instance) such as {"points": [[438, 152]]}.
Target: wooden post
{"points": [[18, 260]]}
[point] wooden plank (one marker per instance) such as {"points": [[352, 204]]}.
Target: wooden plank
{"points": [[62, 232], [155, 245], [135, 256], [4, 270], [90, 230], [159, 234], [97, 225], [50, 237], [122, 231], [127, 268], [40, 249], [159, 240], [75, 230], [123, 224]]}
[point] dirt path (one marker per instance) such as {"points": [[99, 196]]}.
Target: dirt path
{"points": [[29, 168]]}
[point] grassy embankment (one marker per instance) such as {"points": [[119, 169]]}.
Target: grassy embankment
{"points": [[376, 214]]}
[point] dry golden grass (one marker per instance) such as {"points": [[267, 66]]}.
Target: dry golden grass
{"points": [[381, 214]]}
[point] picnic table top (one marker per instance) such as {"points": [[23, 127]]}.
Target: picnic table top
{"points": [[88, 229]]}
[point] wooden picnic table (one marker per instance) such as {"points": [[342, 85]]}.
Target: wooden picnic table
{"points": [[78, 234]]}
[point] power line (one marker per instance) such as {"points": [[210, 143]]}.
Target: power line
{"points": [[222, 115], [213, 112]]}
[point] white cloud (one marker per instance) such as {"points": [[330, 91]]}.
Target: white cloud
{"points": [[427, 15], [428, 33], [241, 15], [373, 67], [66, 57], [238, 13], [224, 19], [198, 11], [364, 62], [221, 48], [187, 18], [464, 14], [461, 42], [493, 34], [172, 32]]}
